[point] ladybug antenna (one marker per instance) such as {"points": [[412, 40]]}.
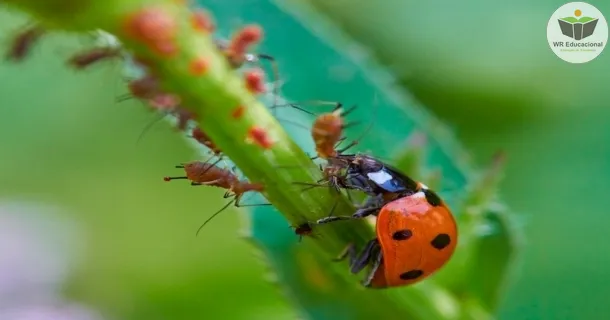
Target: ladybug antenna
{"points": [[214, 215]]}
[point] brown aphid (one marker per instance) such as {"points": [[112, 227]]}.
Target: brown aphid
{"points": [[89, 57], [202, 21], [304, 230], [23, 42], [183, 116], [205, 140], [203, 173], [236, 52], [327, 132], [145, 88]]}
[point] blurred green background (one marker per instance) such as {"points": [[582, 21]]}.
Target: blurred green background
{"points": [[484, 68]]}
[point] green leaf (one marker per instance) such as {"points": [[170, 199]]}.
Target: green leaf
{"points": [[321, 289]]}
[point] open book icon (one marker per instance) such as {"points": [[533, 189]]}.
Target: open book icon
{"points": [[577, 29]]}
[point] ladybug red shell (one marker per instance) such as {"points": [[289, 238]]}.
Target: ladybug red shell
{"points": [[417, 235]]}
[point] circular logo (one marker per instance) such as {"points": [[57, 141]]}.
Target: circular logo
{"points": [[577, 32]]}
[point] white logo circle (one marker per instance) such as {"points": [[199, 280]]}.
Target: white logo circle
{"points": [[577, 32]]}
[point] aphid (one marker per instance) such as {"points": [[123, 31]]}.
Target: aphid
{"points": [[145, 88], [236, 51], [202, 173], [205, 140], [416, 236], [304, 230], [89, 57], [23, 42], [202, 21], [255, 81], [148, 90], [333, 176], [327, 131]]}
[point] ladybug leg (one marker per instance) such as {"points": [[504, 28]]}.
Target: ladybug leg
{"points": [[350, 250], [359, 262], [333, 219], [376, 263], [370, 206], [360, 214]]}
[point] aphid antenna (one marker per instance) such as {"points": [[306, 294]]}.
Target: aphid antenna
{"points": [[295, 105], [149, 126], [365, 132], [236, 201], [294, 123], [124, 97], [175, 178]]}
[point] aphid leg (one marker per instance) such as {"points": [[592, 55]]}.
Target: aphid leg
{"points": [[239, 205], [351, 145], [362, 260], [310, 185], [213, 165], [371, 274], [207, 183]]}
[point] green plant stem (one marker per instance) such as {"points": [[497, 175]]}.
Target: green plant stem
{"points": [[212, 96]]}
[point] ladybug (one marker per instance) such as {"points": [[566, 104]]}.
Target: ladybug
{"points": [[415, 236]]}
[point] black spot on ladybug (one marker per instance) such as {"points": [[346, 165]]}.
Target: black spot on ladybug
{"points": [[441, 241], [410, 275], [432, 198], [402, 234]]}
